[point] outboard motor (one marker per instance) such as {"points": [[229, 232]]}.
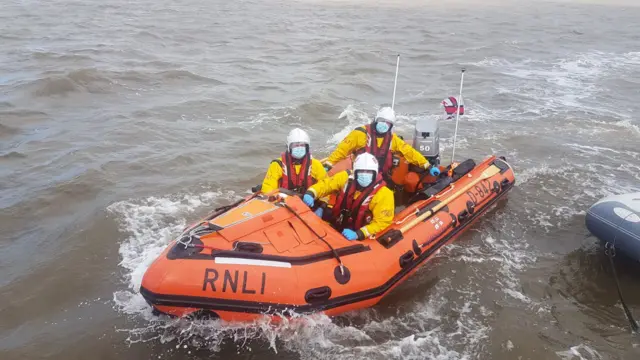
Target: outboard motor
{"points": [[426, 139]]}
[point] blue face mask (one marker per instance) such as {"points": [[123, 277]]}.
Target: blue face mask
{"points": [[382, 127], [299, 152], [365, 179]]}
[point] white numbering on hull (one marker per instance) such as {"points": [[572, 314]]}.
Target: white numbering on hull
{"points": [[627, 215]]}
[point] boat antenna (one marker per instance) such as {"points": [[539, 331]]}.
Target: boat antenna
{"points": [[457, 115], [395, 83]]}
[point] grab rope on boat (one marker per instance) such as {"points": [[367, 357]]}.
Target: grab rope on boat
{"points": [[195, 232], [335, 254], [610, 251], [205, 227]]}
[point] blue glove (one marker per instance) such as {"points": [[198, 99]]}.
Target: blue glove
{"points": [[308, 199], [319, 212], [434, 171], [349, 234]]}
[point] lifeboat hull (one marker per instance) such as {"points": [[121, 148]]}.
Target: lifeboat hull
{"points": [[271, 255]]}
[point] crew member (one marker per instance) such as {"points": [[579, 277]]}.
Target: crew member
{"points": [[378, 139], [364, 204], [295, 170]]}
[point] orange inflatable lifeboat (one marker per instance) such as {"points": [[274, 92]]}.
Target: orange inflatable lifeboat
{"points": [[270, 254]]}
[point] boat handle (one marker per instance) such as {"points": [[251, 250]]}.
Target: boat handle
{"points": [[406, 258], [317, 294]]}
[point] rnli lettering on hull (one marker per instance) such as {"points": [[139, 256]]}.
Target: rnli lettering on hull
{"points": [[230, 281]]}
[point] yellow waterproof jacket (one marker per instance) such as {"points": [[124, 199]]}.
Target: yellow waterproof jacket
{"points": [[274, 174], [357, 139], [382, 204]]}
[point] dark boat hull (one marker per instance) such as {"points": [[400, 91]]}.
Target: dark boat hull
{"points": [[616, 220]]}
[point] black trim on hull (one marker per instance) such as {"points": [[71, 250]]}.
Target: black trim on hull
{"points": [[298, 260], [294, 260], [255, 307]]}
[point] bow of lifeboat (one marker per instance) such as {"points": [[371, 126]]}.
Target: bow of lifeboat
{"points": [[270, 254]]}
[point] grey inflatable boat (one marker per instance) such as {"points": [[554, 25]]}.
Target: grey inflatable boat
{"points": [[616, 220]]}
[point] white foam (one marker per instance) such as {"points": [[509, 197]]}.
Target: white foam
{"points": [[272, 116], [421, 346], [600, 126], [595, 178], [354, 117], [627, 124], [510, 255], [580, 352], [151, 224], [543, 170], [383, 339], [631, 169], [566, 212], [556, 85], [509, 345], [591, 149], [517, 295]]}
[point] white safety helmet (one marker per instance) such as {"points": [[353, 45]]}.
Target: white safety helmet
{"points": [[297, 135], [386, 114], [366, 161]]}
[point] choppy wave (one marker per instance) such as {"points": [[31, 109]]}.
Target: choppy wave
{"points": [[12, 155], [99, 81], [85, 80], [186, 75], [503, 251], [6, 130], [285, 114], [625, 124], [563, 83]]}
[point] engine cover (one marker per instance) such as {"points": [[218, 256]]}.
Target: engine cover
{"points": [[426, 138]]}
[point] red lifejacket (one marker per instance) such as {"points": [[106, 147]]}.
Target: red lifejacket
{"points": [[382, 153], [292, 181], [354, 213]]}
